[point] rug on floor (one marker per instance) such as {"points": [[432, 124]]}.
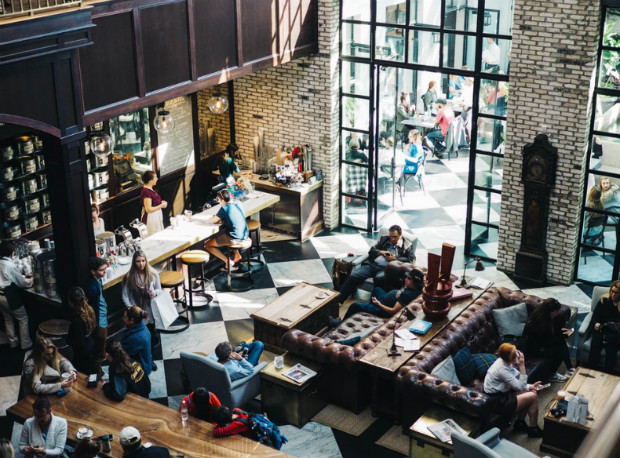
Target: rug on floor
{"points": [[345, 421], [394, 439]]}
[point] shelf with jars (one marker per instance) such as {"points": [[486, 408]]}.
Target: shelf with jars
{"points": [[24, 200]]}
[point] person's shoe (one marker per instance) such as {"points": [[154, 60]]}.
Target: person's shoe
{"points": [[569, 373], [154, 366], [534, 431], [240, 346], [333, 322], [558, 378], [520, 425]]}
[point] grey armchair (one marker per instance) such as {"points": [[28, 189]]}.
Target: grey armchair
{"points": [[202, 371], [369, 284], [585, 334], [487, 445]]}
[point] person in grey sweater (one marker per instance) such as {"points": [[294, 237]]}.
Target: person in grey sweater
{"points": [[45, 434]]}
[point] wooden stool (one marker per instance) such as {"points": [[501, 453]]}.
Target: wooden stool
{"points": [[255, 260], [56, 330], [243, 276], [172, 279], [196, 258]]}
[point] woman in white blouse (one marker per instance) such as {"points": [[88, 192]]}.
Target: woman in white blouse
{"points": [[506, 383]]}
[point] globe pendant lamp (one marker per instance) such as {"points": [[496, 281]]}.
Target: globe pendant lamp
{"points": [[218, 104], [101, 145], [164, 122]]}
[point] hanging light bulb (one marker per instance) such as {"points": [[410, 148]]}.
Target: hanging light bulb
{"points": [[164, 122], [218, 104], [101, 145]]}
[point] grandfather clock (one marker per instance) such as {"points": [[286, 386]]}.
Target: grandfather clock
{"points": [[538, 177]]}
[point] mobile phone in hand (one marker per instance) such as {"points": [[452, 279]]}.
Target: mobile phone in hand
{"points": [[542, 387]]}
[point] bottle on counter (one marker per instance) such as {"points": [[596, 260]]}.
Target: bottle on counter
{"points": [[184, 412]]}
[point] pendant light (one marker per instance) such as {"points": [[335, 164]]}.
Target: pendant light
{"points": [[101, 145], [218, 104], [164, 122]]}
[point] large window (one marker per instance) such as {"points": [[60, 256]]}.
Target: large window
{"points": [[393, 53], [598, 260]]}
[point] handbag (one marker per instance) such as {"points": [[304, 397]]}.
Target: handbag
{"points": [[340, 272], [164, 310]]}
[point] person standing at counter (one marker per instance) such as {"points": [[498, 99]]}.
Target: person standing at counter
{"points": [[83, 323], [227, 166], [11, 280], [236, 228], [152, 204], [93, 288], [98, 223], [140, 285]]}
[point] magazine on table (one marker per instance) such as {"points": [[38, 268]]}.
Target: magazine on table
{"points": [[408, 345], [443, 430], [299, 373], [479, 283]]}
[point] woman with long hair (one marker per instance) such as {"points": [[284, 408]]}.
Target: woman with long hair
{"points": [[415, 153], [604, 328], [136, 339], [126, 375], [152, 204], [83, 323], [506, 383], [6, 449], [140, 286], [546, 334], [44, 368]]}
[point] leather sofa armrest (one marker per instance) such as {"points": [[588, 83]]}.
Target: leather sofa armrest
{"points": [[457, 397], [255, 373]]}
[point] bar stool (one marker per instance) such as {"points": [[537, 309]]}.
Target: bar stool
{"points": [[255, 260], [172, 279], [191, 259], [57, 330], [243, 277]]}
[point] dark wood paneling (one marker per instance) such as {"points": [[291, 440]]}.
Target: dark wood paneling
{"points": [[28, 91], [297, 25], [258, 29], [165, 41], [216, 46], [109, 67], [64, 91]]}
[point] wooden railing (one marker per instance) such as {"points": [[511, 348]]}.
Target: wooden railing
{"points": [[16, 8]]}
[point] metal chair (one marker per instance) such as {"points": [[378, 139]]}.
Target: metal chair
{"points": [[243, 276], [591, 235], [419, 175]]}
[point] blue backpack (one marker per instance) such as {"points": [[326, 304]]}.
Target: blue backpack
{"points": [[263, 430]]}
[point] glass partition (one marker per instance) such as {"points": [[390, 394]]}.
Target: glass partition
{"points": [[131, 146]]}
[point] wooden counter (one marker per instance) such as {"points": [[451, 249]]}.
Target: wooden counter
{"points": [[157, 424]]}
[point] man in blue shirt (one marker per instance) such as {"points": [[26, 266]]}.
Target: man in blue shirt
{"points": [[93, 288], [236, 365], [235, 228]]}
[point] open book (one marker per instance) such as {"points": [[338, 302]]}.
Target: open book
{"points": [[443, 430], [299, 373]]}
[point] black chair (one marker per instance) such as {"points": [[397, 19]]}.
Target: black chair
{"points": [[591, 236]]}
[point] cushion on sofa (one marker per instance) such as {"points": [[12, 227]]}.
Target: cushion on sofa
{"points": [[482, 362], [510, 320], [446, 370], [359, 325], [464, 365]]}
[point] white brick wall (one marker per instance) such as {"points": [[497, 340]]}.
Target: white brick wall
{"points": [[297, 103], [553, 60]]}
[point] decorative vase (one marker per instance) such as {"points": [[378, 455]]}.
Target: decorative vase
{"points": [[436, 303]]}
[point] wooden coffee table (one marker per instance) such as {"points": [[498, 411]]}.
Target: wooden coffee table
{"points": [[562, 437], [298, 308]]}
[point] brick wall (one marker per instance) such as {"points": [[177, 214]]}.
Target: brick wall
{"points": [[553, 60], [297, 103]]}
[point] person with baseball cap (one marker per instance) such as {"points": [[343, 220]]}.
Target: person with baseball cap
{"points": [[131, 442], [385, 304]]}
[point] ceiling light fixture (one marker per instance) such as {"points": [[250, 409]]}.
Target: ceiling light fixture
{"points": [[164, 122], [218, 104]]}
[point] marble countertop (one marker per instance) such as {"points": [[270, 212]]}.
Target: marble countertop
{"points": [[304, 188], [169, 242]]}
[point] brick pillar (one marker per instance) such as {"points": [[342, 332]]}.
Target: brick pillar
{"points": [[553, 61], [297, 103]]}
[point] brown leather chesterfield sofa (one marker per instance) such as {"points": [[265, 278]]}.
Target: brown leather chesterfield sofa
{"points": [[475, 328]]}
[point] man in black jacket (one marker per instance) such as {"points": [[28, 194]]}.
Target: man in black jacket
{"points": [[602, 325], [389, 248], [93, 289], [132, 445]]}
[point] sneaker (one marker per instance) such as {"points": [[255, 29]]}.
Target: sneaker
{"points": [[534, 431], [558, 378], [154, 366], [240, 346], [333, 322], [520, 425], [569, 373]]}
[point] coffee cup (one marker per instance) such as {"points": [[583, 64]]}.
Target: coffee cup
{"points": [[188, 215], [278, 361], [66, 376], [561, 395]]}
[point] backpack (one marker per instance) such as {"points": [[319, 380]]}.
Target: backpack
{"points": [[263, 430]]}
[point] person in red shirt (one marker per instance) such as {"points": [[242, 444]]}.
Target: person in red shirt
{"points": [[227, 422], [445, 116], [201, 403]]}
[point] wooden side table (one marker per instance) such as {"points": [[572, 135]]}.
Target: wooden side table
{"points": [[286, 401], [424, 444]]}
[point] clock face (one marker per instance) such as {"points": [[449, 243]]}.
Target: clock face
{"points": [[536, 169]]}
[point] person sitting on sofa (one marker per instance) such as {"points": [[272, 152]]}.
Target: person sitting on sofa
{"points": [[605, 317], [385, 304], [237, 365], [389, 248], [506, 383], [546, 336]]}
